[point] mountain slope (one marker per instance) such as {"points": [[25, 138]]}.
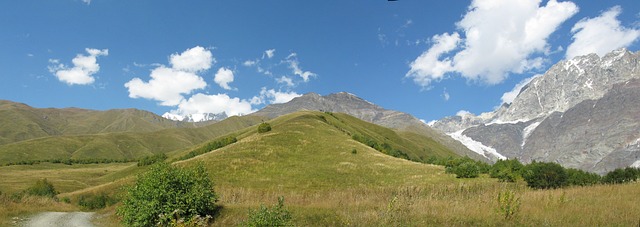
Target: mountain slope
{"points": [[20, 122], [350, 104], [121, 145], [582, 113]]}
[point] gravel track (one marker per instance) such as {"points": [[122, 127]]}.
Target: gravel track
{"points": [[66, 219]]}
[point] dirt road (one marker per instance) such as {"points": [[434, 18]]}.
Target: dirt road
{"points": [[66, 219]]}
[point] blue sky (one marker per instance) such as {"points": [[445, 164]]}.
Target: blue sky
{"points": [[428, 58]]}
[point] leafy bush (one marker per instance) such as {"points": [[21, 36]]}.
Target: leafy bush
{"points": [[581, 178], [619, 176], [543, 175], [148, 160], [274, 216], [93, 202], [507, 170], [264, 127], [217, 144], [166, 191], [467, 170], [42, 188], [354, 151]]}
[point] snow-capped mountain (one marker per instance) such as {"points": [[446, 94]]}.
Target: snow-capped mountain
{"points": [[582, 113], [198, 117]]}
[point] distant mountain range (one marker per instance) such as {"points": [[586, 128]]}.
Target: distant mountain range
{"points": [[582, 113], [197, 117]]}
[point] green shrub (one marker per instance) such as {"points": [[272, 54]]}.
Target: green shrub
{"points": [[264, 127], [507, 170], [148, 160], [217, 144], [274, 216], [42, 188], [508, 204], [581, 178], [165, 192], [619, 176], [93, 202], [543, 175], [354, 151], [467, 170]]}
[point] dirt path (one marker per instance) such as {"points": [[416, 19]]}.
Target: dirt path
{"points": [[66, 219]]}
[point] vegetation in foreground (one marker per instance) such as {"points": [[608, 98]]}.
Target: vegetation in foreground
{"points": [[312, 165]]}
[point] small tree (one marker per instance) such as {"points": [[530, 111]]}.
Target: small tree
{"points": [[543, 175], [582, 178], [507, 170], [166, 193], [42, 188], [619, 176], [467, 170], [264, 127]]}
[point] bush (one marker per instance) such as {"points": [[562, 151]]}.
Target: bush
{"points": [[543, 175], [264, 127], [619, 176], [148, 160], [93, 202], [467, 170], [581, 178], [42, 188], [274, 216], [507, 170], [165, 192]]}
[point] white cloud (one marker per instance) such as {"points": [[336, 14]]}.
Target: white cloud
{"points": [[84, 66], [286, 81], [601, 34], [274, 97], [88, 2], [192, 60], [297, 70], [427, 67], [249, 63], [445, 95], [463, 113], [509, 96], [202, 103], [500, 37], [167, 85], [269, 53], [223, 77]]}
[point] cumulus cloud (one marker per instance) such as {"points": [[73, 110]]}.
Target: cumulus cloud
{"points": [[509, 96], [192, 60], [601, 34], [202, 103], [294, 65], [249, 63], [168, 84], [84, 66], [497, 37], [223, 77], [269, 53]]}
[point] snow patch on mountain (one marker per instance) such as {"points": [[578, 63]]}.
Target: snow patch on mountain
{"points": [[527, 131], [476, 146]]}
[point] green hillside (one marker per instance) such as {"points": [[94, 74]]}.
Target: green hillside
{"points": [[315, 151], [20, 122], [118, 146]]}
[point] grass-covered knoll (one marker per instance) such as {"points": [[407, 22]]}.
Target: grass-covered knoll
{"points": [[305, 152], [118, 146]]}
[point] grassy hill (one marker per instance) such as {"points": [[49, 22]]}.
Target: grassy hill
{"points": [[314, 150], [20, 122], [123, 145]]}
